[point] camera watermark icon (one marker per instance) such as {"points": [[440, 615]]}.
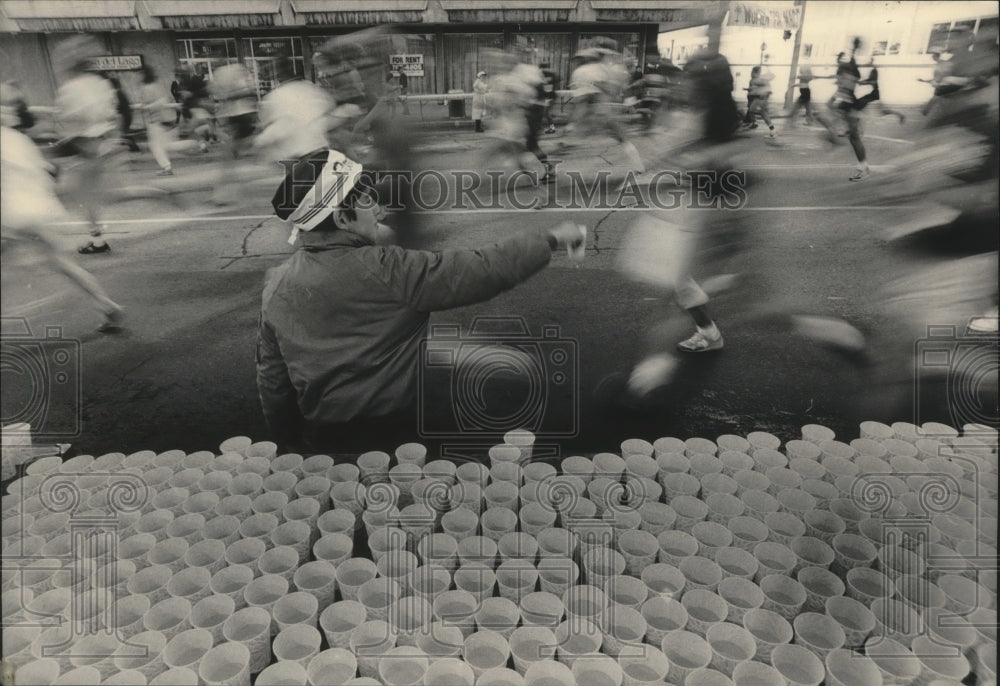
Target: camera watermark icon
{"points": [[968, 364], [498, 377], [41, 377]]}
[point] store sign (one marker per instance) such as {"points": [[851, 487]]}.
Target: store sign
{"points": [[116, 62], [411, 65], [749, 14]]}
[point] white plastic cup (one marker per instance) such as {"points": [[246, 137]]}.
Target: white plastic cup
{"points": [[783, 594], [516, 578], [477, 579], [191, 583], [264, 592], [769, 630], [439, 549], [485, 650], [176, 677], [429, 580], [500, 615], [894, 660], [337, 522], [497, 521], [748, 532], [596, 671], [449, 672], [577, 638], [556, 575], [334, 548], [297, 643], [339, 619], [282, 674], [736, 562], [231, 582], [687, 652], [187, 649], [821, 585], [377, 595], [41, 672], [867, 585], [894, 619], [352, 574], [412, 454], [211, 613], [226, 663], [811, 552], [731, 644], [460, 523], [773, 558], [783, 527], [409, 617], [742, 595], [318, 578], [846, 668], [819, 633], [440, 642], [663, 580], [854, 619], [797, 665], [542, 609], [700, 572], [296, 608], [456, 609], [704, 609], [169, 617], [546, 673], [585, 602], [639, 549], [600, 564], [675, 547]]}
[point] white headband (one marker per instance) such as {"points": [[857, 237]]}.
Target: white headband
{"points": [[337, 178]]}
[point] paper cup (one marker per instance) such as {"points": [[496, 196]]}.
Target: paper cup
{"points": [[700, 572], [819, 633], [297, 643], [270, 502], [576, 639], [296, 608], [820, 584], [675, 547], [485, 650], [412, 454], [597, 670], [191, 583], [798, 666], [189, 527], [187, 649], [852, 551], [687, 652], [542, 609], [498, 521], [318, 578], [854, 618], [811, 552], [456, 609], [769, 630], [259, 526], [704, 609], [374, 467], [345, 495], [623, 629], [227, 663], [896, 561], [600, 564], [919, 593], [339, 619], [897, 620], [962, 595], [557, 575], [773, 558], [535, 518], [747, 532], [638, 548], [516, 579], [477, 550], [556, 542], [337, 522], [429, 580], [264, 592], [497, 614], [334, 548], [352, 574], [377, 595], [663, 616], [742, 595], [398, 565], [690, 510], [440, 642], [41, 672], [449, 672], [585, 602], [711, 538], [844, 668], [169, 617], [283, 674], [409, 617], [783, 594], [239, 506], [460, 523], [731, 644]]}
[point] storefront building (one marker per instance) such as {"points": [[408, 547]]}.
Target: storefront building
{"points": [[440, 43]]}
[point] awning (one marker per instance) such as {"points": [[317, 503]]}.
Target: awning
{"points": [[657, 11], [476, 11], [196, 14], [358, 12], [66, 15]]}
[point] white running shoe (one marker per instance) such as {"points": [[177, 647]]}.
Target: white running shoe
{"points": [[653, 372]]}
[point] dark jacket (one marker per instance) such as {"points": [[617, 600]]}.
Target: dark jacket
{"points": [[342, 321]]}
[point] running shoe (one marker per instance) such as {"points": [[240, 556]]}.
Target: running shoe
{"points": [[772, 133], [165, 172], [652, 373], [988, 323], [700, 343], [861, 174], [112, 322]]}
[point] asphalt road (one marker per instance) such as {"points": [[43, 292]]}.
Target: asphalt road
{"points": [[190, 276]]}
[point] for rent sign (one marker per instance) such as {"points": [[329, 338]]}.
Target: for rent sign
{"points": [[411, 65]]}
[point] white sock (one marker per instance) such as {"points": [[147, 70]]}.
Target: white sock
{"points": [[710, 332]]}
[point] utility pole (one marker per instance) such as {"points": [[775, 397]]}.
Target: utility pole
{"points": [[790, 93]]}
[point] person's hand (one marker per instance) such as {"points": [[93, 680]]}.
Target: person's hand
{"points": [[566, 234]]}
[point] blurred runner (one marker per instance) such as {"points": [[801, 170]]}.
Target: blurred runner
{"points": [[294, 117], [480, 88], [758, 98], [161, 117], [844, 104], [804, 102], [88, 111], [597, 82], [875, 96], [30, 208], [234, 89], [196, 106], [550, 86], [125, 115]]}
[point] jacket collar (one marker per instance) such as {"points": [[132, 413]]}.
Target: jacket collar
{"points": [[318, 241]]}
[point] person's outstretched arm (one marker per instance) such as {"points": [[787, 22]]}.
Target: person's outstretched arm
{"points": [[431, 281]]}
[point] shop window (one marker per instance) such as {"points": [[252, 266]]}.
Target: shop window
{"points": [[374, 58], [205, 54], [547, 48], [261, 56], [465, 54]]}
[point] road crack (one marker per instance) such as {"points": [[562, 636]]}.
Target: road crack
{"points": [[597, 227]]}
